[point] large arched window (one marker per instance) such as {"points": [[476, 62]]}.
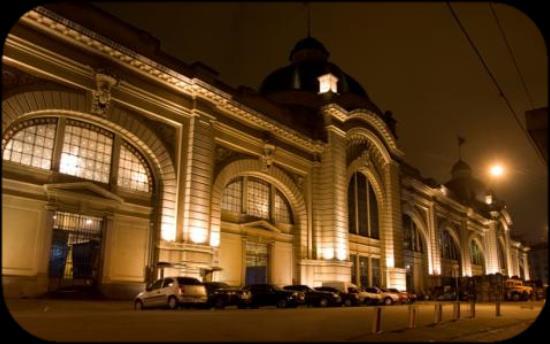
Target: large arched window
{"points": [[256, 198], [449, 250], [411, 237], [87, 151], [501, 258], [475, 253], [362, 207]]}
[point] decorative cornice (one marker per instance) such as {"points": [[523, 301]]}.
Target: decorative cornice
{"points": [[45, 19]]}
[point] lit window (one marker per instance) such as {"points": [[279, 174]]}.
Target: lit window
{"points": [[362, 207], [281, 209], [32, 143], [448, 247], [86, 152], [411, 237], [475, 253], [132, 171], [327, 83], [232, 196], [258, 198]]}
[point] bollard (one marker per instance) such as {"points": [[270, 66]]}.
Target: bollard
{"points": [[377, 322], [473, 309], [456, 310], [497, 307], [412, 316], [438, 311]]}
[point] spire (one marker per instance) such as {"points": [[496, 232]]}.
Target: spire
{"points": [[461, 141]]}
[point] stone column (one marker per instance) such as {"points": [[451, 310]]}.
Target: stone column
{"points": [[198, 183], [490, 249], [331, 202], [526, 265], [464, 232]]}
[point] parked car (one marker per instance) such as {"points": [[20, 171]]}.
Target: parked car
{"points": [[316, 297], [387, 297], [516, 290], [172, 292], [221, 295], [350, 288], [373, 296], [347, 299], [404, 296], [272, 295]]}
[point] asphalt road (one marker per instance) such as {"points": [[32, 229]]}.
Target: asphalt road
{"points": [[116, 321]]}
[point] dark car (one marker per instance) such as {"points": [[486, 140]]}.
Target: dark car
{"points": [[348, 299], [271, 295], [221, 295], [316, 297]]}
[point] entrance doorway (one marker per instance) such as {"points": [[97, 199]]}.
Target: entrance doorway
{"points": [[75, 250], [256, 263]]}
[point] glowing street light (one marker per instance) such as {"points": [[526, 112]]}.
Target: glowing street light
{"points": [[496, 170]]}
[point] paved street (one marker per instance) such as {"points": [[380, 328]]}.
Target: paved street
{"points": [[116, 321]]}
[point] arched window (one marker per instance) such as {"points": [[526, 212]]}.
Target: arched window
{"points": [[133, 173], [475, 253], [233, 196], [448, 246], [263, 200], [87, 152], [362, 207], [501, 258], [411, 237], [31, 143]]}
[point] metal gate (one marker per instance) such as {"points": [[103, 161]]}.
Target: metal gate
{"points": [[75, 250]]}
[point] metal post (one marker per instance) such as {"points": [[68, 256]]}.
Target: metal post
{"points": [[473, 308], [456, 310], [497, 304], [412, 316], [438, 310], [377, 322]]}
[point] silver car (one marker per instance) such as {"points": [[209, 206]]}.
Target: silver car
{"points": [[172, 292]]}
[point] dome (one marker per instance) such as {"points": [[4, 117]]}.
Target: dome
{"points": [[298, 83], [461, 169]]}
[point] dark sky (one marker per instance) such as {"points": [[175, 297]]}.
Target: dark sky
{"points": [[411, 58]]}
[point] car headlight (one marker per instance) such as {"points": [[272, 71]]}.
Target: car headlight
{"points": [[295, 294]]}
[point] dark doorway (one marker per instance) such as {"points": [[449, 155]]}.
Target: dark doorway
{"points": [[256, 263], [75, 252]]}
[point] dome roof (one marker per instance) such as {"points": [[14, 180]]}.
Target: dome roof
{"points": [[298, 84], [461, 169]]}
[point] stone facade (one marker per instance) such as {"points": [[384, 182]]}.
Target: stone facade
{"points": [[195, 138]]}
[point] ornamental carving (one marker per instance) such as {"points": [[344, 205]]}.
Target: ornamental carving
{"points": [[101, 96]]}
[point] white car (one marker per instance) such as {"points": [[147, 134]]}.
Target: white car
{"points": [[348, 287], [172, 292], [389, 297]]}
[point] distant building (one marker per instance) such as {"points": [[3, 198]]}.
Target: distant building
{"points": [[538, 261], [121, 163]]}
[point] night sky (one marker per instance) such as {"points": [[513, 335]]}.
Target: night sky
{"points": [[411, 58]]}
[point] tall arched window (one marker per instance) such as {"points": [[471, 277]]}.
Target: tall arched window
{"points": [[449, 250], [501, 258], [411, 237], [254, 197], [475, 253], [87, 152], [362, 207]]}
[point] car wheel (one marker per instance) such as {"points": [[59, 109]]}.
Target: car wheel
{"points": [[138, 305], [388, 301], [219, 304], [347, 303], [515, 297], [281, 303], [172, 302], [323, 302]]}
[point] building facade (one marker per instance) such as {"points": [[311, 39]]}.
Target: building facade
{"points": [[121, 163]]}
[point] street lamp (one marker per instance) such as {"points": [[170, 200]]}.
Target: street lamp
{"points": [[496, 170]]}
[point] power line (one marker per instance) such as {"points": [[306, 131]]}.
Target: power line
{"points": [[501, 93], [530, 100]]}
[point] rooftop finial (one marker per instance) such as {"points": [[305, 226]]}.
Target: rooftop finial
{"points": [[461, 141]]}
